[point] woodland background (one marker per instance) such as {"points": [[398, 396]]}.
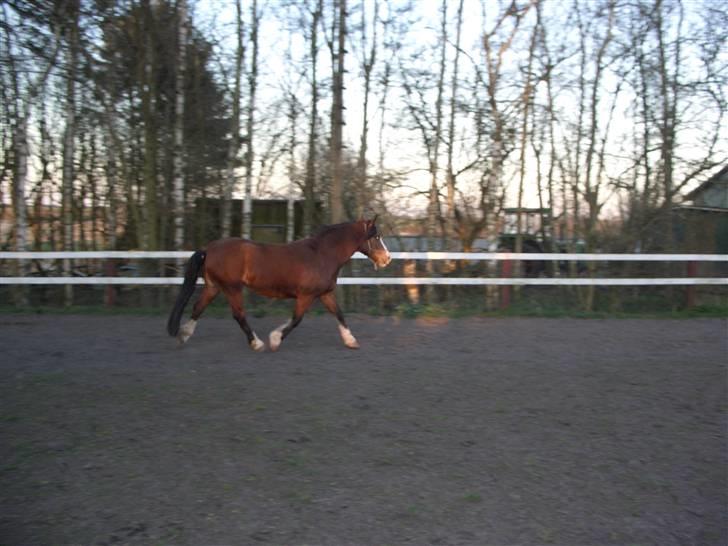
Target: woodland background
{"points": [[122, 119]]}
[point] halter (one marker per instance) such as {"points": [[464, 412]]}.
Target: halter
{"points": [[369, 239]]}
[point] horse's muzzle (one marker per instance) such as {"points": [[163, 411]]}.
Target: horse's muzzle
{"points": [[381, 260]]}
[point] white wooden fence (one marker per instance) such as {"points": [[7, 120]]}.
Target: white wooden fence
{"points": [[382, 280]]}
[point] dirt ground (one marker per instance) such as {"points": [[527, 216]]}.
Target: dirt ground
{"points": [[477, 431]]}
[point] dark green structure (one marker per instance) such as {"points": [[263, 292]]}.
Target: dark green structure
{"points": [[269, 222]]}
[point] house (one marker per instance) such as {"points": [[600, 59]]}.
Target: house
{"points": [[713, 193], [701, 224]]}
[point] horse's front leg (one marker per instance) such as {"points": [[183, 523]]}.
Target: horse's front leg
{"points": [[279, 334], [235, 299], [329, 301]]}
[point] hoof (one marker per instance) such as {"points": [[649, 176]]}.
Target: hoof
{"points": [[274, 340], [186, 331], [257, 345], [348, 339]]}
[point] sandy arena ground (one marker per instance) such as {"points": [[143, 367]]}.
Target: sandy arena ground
{"points": [[438, 431]]}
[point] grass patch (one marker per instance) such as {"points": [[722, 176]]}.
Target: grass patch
{"points": [[46, 378], [555, 311], [473, 497], [299, 497], [530, 307]]}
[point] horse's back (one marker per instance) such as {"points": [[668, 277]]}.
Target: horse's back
{"points": [[274, 270]]}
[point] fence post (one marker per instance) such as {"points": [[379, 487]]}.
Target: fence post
{"points": [[690, 291], [413, 290], [110, 295], [506, 272]]}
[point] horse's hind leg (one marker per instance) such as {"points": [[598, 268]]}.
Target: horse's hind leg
{"points": [[329, 301], [188, 328], [280, 333], [235, 298]]}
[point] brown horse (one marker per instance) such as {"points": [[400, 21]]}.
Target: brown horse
{"points": [[304, 270]]}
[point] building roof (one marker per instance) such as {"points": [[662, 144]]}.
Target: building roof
{"points": [[720, 176]]}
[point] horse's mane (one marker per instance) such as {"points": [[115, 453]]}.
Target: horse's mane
{"points": [[331, 229]]}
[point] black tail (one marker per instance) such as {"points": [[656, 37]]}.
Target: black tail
{"points": [[192, 271]]}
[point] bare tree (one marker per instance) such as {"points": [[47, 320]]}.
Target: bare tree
{"points": [[593, 185], [495, 49], [585, 153], [449, 173], [369, 56], [428, 120], [26, 84], [548, 63], [338, 52], [433, 209], [672, 99], [178, 183], [147, 75], [294, 109], [69, 137], [526, 106], [234, 144], [311, 17], [252, 88]]}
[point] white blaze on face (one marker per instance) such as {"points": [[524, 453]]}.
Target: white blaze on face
{"points": [[375, 255], [384, 246]]}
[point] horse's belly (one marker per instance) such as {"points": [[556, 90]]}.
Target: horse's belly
{"points": [[288, 281], [270, 292]]}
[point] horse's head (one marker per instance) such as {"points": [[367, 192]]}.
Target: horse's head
{"points": [[373, 246]]}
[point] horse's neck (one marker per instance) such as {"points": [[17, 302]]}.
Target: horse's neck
{"points": [[340, 244]]}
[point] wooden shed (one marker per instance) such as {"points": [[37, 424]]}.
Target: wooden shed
{"points": [[702, 222]]}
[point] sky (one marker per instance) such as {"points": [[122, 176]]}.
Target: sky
{"points": [[403, 148]]}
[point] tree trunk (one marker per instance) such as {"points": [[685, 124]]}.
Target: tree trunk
{"points": [[494, 62], [434, 195], [309, 203], [551, 124], [21, 178], [669, 89], [23, 105], [69, 140], [367, 65], [450, 175], [178, 185], [290, 203], [111, 198], [337, 112], [526, 98], [592, 184], [234, 146], [252, 87], [150, 233]]}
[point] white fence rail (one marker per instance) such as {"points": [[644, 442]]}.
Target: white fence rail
{"points": [[459, 281], [474, 256]]}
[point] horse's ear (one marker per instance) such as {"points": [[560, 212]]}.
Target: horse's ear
{"points": [[374, 220]]}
